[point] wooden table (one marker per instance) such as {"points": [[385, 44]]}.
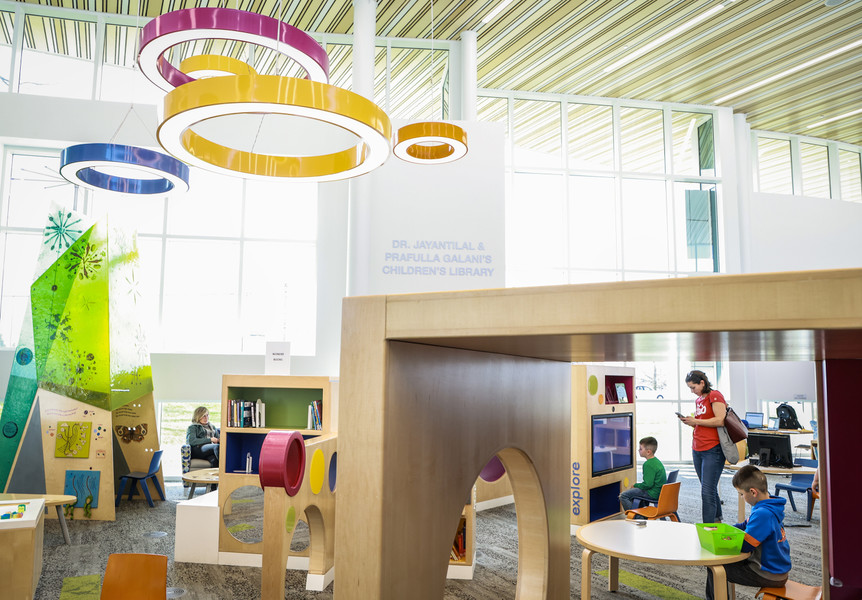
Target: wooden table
{"points": [[208, 477], [660, 542], [740, 516], [57, 500]]}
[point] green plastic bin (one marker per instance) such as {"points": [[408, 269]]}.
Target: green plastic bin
{"points": [[720, 538]]}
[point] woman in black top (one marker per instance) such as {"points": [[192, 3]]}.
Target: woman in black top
{"points": [[203, 437]]}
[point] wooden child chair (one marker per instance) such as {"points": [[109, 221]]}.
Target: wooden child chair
{"points": [[135, 577], [790, 591]]}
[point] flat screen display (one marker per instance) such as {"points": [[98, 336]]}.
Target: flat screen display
{"points": [[774, 448], [612, 443]]}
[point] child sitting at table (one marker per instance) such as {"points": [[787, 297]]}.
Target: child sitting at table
{"points": [[653, 472], [769, 563]]}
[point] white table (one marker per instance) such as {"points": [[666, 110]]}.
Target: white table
{"points": [[740, 516], [660, 542]]}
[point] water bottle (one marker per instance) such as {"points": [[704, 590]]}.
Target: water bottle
{"points": [[248, 462]]}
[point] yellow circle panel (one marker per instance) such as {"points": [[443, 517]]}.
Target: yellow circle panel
{"points": [[317, 471]]}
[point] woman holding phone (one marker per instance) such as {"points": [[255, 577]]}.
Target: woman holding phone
{"points": [[709, 411]]}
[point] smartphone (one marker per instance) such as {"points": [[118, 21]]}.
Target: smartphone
{"points": [[680, 415]]}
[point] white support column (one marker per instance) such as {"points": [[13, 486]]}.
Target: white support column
{"points": [[469, 65], [364, 29]]}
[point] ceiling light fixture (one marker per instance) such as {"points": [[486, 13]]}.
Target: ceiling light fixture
{"points": [[833, 119], [204, 99], [791, 71], [85, 165], [214, 65], [430, 142], [662, 39], [190, 24]]}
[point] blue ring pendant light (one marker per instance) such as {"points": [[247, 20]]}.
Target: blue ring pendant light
{"points": [[80, 165]]}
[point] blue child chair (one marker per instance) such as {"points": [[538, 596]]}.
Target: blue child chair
{"points": [[800, 483], [135, 476]]}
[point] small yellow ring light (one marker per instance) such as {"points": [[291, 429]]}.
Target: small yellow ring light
{"points": [[430, 143]]}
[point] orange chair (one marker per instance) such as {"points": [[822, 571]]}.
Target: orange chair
{"points": [[790, 591], [668, 503], [135, 577]]}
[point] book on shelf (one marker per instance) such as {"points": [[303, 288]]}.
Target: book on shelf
{"points": [[246, 413], [314, 420]]}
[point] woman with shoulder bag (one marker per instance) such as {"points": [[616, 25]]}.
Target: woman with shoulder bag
{"points": [[709, 413]]}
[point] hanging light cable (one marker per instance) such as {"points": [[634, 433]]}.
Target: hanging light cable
{"points": [[430, 142], [96, 166]]}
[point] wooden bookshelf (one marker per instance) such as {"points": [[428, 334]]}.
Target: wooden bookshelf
{"points": [[462, 557]]}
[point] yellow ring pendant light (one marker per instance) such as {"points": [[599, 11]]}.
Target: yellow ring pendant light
{"points": [[430, 142], [216, 97]]}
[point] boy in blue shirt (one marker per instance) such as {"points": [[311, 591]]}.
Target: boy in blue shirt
{"points": [[769, 563], [654, 475]]}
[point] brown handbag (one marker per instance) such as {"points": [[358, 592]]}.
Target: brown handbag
{"points": [[735, 427]]}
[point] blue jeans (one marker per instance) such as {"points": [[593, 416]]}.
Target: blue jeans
{"points": [[709, 464], [628, 496]]}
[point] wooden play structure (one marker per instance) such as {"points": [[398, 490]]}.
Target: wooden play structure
{"points": [[286, 400], [440, 382], [299, 479]]}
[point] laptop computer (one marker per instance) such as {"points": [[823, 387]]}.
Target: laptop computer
{"points": [[773, 424], [755, 420]]}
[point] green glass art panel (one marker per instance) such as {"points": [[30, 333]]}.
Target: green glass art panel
{"points": [[82, 337], [70, 300], [131, 374], [20, 394]]}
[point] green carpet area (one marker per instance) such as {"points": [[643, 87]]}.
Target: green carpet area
{"points": [[240, 527], [84, 587], [650, 587]]}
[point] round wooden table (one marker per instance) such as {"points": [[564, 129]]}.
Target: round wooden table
{"points": [[661, 542], [208, 477], [57, 500]]}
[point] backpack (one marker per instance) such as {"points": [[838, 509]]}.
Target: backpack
{"points": [[787, 417]]}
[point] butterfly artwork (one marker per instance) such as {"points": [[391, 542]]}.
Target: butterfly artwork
{"points": [[131, 434]]}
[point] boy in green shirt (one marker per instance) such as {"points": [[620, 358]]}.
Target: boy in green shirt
{"points": [[654, 475]]}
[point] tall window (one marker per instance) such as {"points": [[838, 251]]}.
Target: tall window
{"points": [[609, 207], [224, 268]]}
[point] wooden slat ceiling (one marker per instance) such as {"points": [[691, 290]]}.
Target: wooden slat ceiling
{"points": [[566, 46]]}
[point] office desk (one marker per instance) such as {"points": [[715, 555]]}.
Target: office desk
{"points": [[769, 471], [660, 542], [787, 431]]}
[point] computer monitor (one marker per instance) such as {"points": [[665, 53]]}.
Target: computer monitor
{"points": [[755, 420], [770, 449], [612, 443]]}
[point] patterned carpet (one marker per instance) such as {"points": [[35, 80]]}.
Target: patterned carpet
{"points": [[495, 576]]}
